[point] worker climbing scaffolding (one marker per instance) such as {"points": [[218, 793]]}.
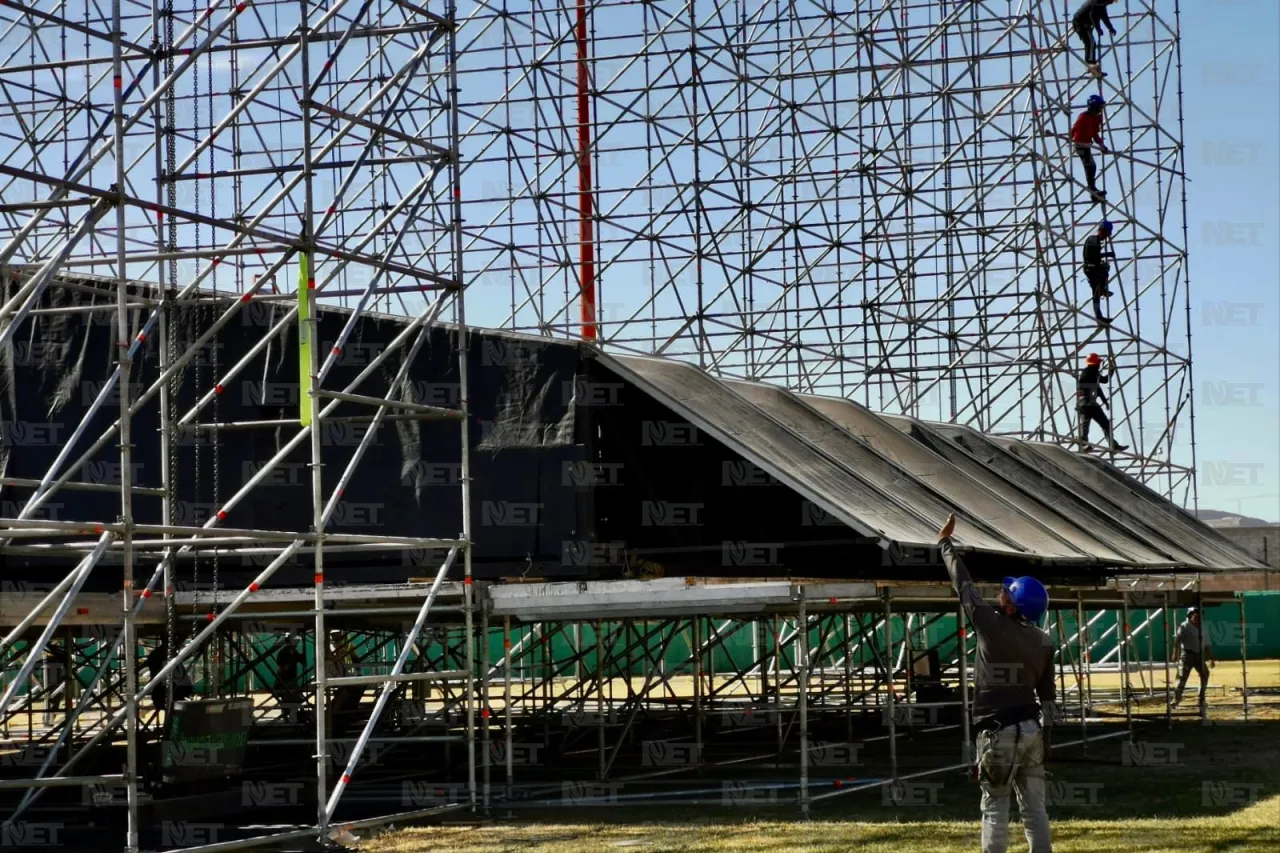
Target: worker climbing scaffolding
{"points": [[1089, 400], [1096, 270], [1086, 133], [1091, 18]]}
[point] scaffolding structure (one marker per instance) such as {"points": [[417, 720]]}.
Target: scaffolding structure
{"points": [[874, 202], [635, 692], [874, 199], [164, 172]]}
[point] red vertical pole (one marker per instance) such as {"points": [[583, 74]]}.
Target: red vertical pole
{"points": [[588, 285]]}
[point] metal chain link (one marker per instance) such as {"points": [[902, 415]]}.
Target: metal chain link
{"points": [[171, 197], [197, 364], [213, 371]]}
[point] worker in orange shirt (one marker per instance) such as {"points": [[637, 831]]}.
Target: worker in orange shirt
{"points": [[1085, 133]]}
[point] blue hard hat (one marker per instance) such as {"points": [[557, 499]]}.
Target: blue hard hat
{"points": [[1096, 101], [1106, 227], [1029, 596]]}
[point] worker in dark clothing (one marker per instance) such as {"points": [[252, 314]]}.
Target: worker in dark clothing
{"points": [[288, 659], [1096, 270], [1014, 669], [1085, 133], [1194, 649], [1091, 17], [1088, 395], [182, 686]]}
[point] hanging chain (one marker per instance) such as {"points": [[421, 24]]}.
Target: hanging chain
{"points": [[198, 320], [197, 364], [213, 372], [171, 197]]}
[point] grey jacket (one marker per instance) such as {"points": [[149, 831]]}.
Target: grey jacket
{"points": [[1015, 658]]}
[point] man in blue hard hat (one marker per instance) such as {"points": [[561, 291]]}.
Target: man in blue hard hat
{"points": [[1014, 668], [1096, 269], [1086, 132]]}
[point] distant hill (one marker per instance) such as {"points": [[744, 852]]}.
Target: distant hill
{"points": [[1218, 518]]}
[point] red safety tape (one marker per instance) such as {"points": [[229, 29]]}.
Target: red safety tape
{"points": [[222, 515], [319, 578], [253, 587], [217, 389]]}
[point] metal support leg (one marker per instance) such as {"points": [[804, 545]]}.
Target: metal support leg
{"points": [[848, 679], [1086, 694], [506, 700], [777, 682], [698, 699], [486, 705], [1168, 648], [600, 706], [1126, 652], [803, 664], [888, 676], [1244, 659], [962, 639]]}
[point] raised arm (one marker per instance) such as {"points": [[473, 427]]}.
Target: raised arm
{"points": [[980, 613]]}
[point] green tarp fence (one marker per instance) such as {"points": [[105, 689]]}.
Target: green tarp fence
{"points": [[1260, 632]]}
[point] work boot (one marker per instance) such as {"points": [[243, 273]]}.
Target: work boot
{"points": [[1116, 447]]}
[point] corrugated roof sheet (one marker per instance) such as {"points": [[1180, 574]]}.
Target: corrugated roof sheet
{"points": [[895, 478], [983, 492]]}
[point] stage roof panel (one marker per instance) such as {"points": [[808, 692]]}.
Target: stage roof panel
{"points": [[894, 478]]}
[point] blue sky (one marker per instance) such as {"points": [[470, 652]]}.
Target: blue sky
{"points": [[1232, 109]]}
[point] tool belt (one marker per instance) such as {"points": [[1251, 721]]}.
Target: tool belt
{"points": [[1007, 717]]}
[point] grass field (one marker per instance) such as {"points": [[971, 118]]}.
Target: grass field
{"points": [[1209, 789]]}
